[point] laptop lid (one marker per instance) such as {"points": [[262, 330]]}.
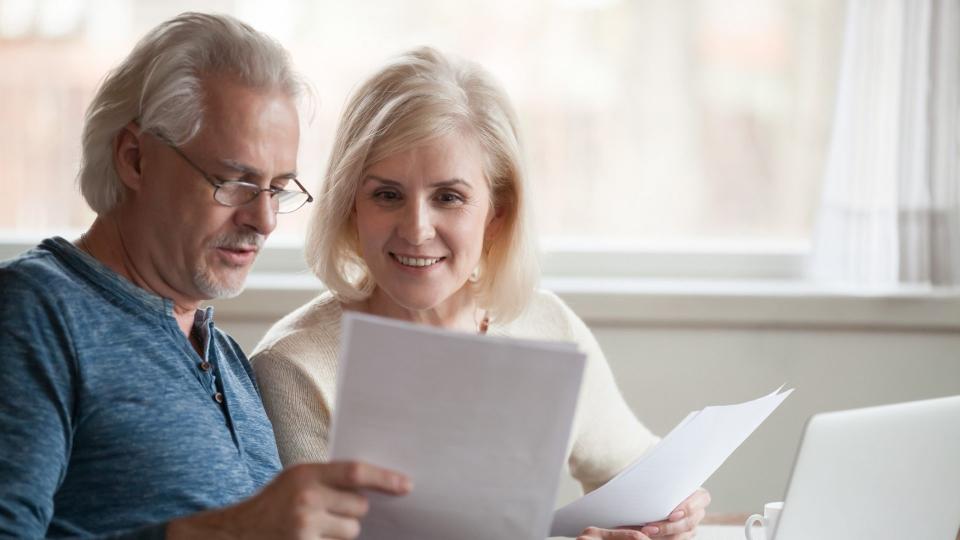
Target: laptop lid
{"points": [[882, 472]]}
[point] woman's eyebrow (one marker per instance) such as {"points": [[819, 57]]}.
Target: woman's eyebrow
{"points": [[452, 182], [439, 184], [382, 180]]}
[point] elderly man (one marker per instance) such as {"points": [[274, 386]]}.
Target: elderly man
{"points": [[124, 410]]}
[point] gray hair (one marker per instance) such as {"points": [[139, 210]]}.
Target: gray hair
{"points": [[159, 85], [422, 95]]}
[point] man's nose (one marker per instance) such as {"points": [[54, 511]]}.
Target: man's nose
{"points": [[260, 214]]}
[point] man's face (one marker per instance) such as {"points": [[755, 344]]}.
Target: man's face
{"points": [[196, 247]]}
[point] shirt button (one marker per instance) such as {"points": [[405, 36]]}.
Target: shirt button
{"points": [[205, 365], [218, 397]]}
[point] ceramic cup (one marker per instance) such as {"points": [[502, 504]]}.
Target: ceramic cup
{"points": [[771, 513]]}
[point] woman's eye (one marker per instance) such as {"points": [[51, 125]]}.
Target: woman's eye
{"points": [[450, 198], [386, 196]]}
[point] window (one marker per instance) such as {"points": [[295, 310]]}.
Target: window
{"points": [[658, 122]]}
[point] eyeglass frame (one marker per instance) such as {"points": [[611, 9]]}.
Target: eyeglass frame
{"points": [[218, 182]]}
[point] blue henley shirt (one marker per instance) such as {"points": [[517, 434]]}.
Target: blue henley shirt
{"points": [[111, 423]]}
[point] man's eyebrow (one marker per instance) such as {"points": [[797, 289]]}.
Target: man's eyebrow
{"points": [[441, 183], [247, 170]]}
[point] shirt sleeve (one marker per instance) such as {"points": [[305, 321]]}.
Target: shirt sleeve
{"points": [[297, 407], [607, 435], [38, 377], [36, 404], [150, 532]]}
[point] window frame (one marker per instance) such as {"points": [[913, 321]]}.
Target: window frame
{"points": [[724, 285]]}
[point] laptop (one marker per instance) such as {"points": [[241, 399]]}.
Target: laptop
{"points": [[882, 472]]}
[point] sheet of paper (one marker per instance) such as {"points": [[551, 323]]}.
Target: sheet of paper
{"points": [[480, 423], [651, 487]]}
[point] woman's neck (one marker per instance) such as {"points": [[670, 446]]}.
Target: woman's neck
{"points": [[459, 312]]}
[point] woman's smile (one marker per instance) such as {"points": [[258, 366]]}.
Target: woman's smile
{"points": [[417, 262]]}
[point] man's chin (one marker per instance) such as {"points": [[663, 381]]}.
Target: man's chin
{"points": [[214, 287]]}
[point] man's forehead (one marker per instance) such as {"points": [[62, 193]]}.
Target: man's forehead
{"points": [[247, 133]]}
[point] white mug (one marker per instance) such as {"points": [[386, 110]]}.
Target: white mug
{"points": [[771, 513]]}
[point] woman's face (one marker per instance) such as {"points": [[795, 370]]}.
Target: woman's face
{"points": [[421, 217]]}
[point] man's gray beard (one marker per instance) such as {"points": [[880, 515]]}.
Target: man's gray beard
{"points": [[206, 283], [205, 279]]}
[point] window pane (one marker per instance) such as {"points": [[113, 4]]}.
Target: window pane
{"points": [[642, 119]]}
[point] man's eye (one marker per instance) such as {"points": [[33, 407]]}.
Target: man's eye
{"points": [[233, 184]]}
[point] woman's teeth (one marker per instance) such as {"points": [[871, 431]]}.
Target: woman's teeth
{"points": [[416, 261]]}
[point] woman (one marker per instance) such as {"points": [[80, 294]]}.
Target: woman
{"points": [[423, 217]]}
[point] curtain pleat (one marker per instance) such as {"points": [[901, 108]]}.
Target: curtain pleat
{"points": [[890, 210]]}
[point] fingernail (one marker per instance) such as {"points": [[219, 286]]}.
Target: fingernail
{"points": [[650, 530], [676, 515]]}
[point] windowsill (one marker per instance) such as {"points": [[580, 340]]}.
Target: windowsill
{"points": [[724, 288], [784, 304]]}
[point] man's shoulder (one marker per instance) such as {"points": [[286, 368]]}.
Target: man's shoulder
{"points": [[36, 273]]}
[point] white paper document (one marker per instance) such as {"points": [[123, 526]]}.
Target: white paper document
{"points": [[481, 425], [656, 483]]}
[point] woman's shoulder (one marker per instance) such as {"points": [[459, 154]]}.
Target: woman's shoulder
{"points": [[312, 327], [546, 317]]}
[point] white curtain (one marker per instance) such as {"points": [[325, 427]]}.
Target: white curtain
{"points": [[890, 214]]}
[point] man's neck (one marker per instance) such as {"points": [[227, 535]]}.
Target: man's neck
{"points": [[104, 241]]}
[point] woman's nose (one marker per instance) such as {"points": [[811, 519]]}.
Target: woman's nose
{"points": [[417, 226]]}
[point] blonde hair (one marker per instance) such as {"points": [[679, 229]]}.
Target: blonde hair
{"points": [[421, 95], [159, 85]]}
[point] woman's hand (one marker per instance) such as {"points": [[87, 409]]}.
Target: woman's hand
{"points": [[594, 533], [680, 525]]}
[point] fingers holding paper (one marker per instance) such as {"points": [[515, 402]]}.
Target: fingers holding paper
{"points": [[323, 498], [683, 521], [310, 500], [596, 533], [353, 475]]}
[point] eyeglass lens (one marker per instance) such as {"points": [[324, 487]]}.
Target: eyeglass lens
{"points": [[238, 194]]}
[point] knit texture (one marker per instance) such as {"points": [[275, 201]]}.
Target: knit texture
{"points": [[296, 367]]}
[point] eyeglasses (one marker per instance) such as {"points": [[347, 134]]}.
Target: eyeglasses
{"points": [[237, 193]]}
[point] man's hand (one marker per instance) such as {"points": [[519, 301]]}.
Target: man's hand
{"points": [[311, 500], [680, 525]]}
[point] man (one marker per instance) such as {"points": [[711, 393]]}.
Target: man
{"points": [[125, 412]]}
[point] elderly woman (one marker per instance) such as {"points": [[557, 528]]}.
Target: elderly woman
{"points": [[423, 217]]}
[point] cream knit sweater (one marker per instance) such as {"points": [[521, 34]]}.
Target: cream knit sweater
{"points": [[296, 368]]}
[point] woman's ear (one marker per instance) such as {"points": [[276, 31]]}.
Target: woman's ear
{"points": [[127, 153], [494, 224]]}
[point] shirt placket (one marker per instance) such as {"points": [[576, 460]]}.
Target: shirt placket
{"points": [[213, 379]]}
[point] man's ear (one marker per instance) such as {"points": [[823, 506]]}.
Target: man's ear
{"points": [[127, 154]]}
